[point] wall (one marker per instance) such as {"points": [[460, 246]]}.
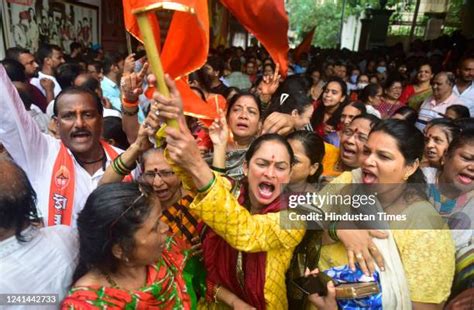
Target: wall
{"points": [[111, 27], [96, 3]]}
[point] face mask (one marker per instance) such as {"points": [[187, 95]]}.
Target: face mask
{"points": [[381, 69], [354, 78], [362, 85]]}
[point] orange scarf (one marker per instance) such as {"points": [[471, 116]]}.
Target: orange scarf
{"points": [[61, 193]]}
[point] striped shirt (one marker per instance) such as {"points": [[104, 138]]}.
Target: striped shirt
{"points": [[430, 109]]}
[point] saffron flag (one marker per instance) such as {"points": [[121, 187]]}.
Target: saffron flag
{"points": [[186, 45], [268, 21], [305, 45]]}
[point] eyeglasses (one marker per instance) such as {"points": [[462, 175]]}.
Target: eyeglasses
{"points": [[359, 136], [149, 176]]}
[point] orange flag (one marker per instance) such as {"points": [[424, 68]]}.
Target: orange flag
{"points": [[305, 45], [186, 45], [268, 21]]}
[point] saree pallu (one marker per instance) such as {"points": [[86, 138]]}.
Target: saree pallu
{"points": [[234, 163], [183, 224], [240, 272], [464, 278], [459, 214], [416, 99], [387, 109], [165, 288]]}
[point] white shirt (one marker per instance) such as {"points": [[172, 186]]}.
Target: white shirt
{"points": [[42, 265], [36, 153], [467, 97], [371, 110], [41, 119], [36, 82]]}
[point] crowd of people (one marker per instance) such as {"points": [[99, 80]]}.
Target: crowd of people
{"points": [[112, 196]]}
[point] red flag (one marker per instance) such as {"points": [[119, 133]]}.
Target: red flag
{"points": [[193, 105], [305, 45], [186, 45], [268, 21]]}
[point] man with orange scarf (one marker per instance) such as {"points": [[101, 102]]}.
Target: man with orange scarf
{"points": [[63, 172]]}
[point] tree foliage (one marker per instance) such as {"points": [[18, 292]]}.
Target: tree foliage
{"points": [[326, 16], [306, 14]]}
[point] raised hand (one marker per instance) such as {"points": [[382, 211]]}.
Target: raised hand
{"points": [[147, 129], [131, 84], [270, 83], [279, 123], [129, 64], [182, 146], [47, 84], [219, 131], [173, 104]]}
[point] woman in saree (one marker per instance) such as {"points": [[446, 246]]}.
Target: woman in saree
{"points": [[244, 119], [438, 135], [391, 167], [353, 138], [451, 190], [413, 95], [390, 101], [125, 257], [174, 199]]}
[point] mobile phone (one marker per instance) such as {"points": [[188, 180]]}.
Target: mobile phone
{"points": [[140, 54], [313, 284]]}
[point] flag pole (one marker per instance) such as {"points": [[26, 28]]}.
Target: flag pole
{"points": [[129, 42], [143, 18]]}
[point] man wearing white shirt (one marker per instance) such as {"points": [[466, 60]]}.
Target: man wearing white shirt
{"points": [[73, 164], [50, 58], [443, 97], [24, 57], [33, 259], [464, 87]]}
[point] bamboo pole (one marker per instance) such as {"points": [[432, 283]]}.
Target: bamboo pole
{"points": [[153, 56]]}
